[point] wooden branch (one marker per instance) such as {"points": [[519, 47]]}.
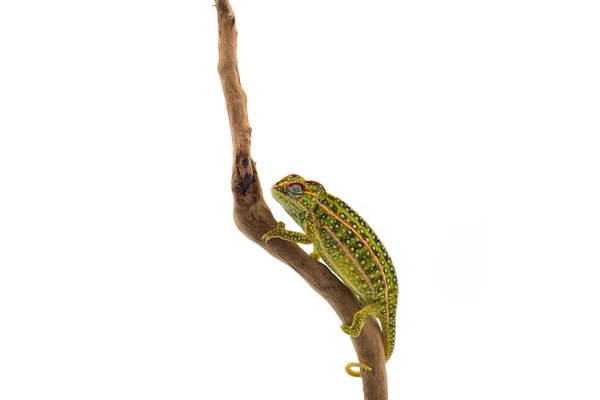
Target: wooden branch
{"points": [[253, 217]]}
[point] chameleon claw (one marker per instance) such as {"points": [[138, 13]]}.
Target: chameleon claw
{"points": [[268, 236], [280, 225], [354, 373]]}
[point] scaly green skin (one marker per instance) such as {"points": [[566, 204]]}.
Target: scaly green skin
{"points": [[348, 246]]}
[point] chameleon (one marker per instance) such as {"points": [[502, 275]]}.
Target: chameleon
{"points": [[349, 247]]}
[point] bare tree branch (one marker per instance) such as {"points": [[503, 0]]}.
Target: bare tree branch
{"points": [[253, 217]]}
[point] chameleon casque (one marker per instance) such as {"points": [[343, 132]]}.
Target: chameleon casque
{"points": [[350, 248]]}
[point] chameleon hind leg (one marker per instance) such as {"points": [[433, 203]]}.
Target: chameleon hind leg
{"points": [[359, 319], [354, 330]]}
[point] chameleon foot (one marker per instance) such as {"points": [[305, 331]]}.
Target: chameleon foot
{"points": [[274, 232], [351, 330], [354, 373], [315, 256]]}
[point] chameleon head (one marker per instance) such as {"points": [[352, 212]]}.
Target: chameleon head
{"points": [[297, 196]]}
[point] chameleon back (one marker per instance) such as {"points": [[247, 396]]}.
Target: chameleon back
{"points": [[355, 254]]}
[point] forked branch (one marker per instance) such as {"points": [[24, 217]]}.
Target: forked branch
{"points": [[253, 217]]}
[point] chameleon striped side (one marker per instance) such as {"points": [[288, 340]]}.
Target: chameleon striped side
{"points": [[348, 246]]}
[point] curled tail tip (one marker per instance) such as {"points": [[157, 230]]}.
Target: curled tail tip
{"points": [[354, 373]]}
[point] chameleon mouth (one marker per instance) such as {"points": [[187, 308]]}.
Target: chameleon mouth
{"points": [[280, 197]]}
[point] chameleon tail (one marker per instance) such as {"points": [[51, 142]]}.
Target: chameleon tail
{"points": [[388, 329], [354, 373]]}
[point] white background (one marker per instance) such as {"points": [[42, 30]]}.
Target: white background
{"points": [[465, 132]]}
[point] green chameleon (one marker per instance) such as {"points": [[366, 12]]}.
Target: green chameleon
{"points": [[348, 246]]}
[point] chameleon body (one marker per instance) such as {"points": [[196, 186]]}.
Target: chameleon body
{"points": [[348, 246]]}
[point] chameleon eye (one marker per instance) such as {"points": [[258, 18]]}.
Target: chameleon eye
{"points": [[295, 190]]}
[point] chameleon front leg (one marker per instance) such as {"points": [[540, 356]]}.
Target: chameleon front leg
{"points": [[297, 237], [280, 232]]}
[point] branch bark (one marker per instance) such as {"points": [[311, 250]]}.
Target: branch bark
{"points": [[253, 217]]}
